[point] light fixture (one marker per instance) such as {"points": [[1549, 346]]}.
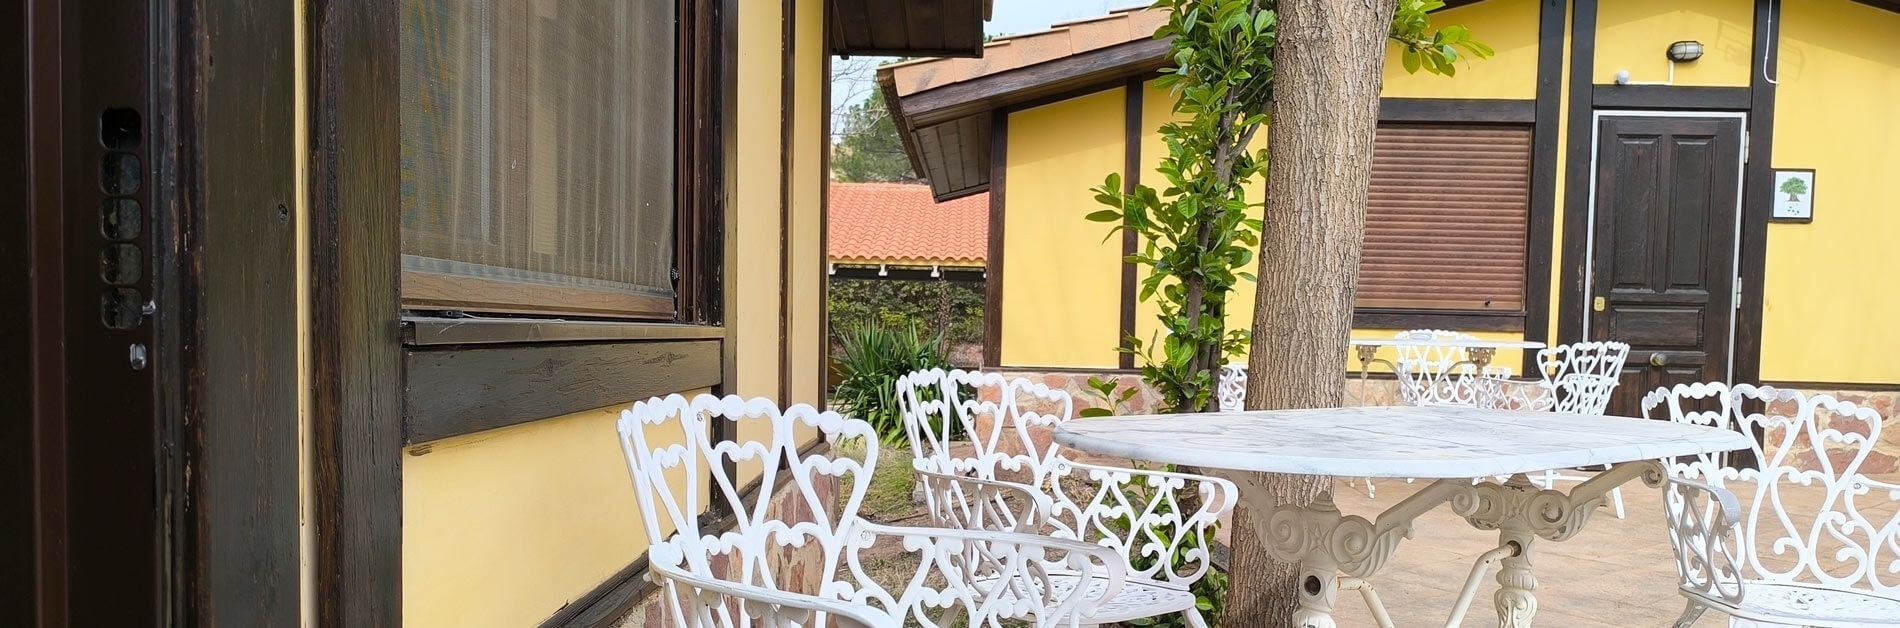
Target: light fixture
{"points": [[1685, 51]]}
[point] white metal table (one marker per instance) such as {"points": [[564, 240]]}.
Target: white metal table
{"points": [[1450, 444]]}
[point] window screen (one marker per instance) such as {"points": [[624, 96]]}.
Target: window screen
{"points": [[538, 144], [1448, 216]]}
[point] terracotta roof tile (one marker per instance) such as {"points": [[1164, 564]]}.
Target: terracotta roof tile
{"points": [[898, 223]]}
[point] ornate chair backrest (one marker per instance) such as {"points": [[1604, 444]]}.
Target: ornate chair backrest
{"points": [[1005, 424], [1231, 390], [1810, 516], [1008, 424], [1426, 373], [1587, 358], [1584, 393], [667, 473]]}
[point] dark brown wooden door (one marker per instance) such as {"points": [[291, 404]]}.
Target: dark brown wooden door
{"points": [[1663, 259]]}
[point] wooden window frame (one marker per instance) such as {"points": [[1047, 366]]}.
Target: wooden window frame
{"points": [[532, 365]]}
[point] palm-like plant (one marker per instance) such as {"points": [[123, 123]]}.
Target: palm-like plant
{"points": [[875, 355]]}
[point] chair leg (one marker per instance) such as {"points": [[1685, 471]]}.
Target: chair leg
{"points": [[1616, 499], [1689, 614], [1193, 617]]}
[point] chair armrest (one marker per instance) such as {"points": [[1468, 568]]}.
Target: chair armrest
{"points": [[968, 503], [709, 596], [1140, 513], [1702, 519], [973, 564]]}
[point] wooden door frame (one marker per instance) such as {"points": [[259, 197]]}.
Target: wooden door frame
{"points": [[1583, 307]]}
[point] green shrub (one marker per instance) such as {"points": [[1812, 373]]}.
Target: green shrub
{"points": [[875, 355]]}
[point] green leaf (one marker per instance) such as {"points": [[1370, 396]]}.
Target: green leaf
{"points": [[1409, 58], [1106, 215]]}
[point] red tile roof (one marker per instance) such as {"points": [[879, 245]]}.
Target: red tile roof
{"points": [[898, 223]]}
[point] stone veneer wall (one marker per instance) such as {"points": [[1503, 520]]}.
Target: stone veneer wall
{"points": [[1885, 458], [799, 569]]}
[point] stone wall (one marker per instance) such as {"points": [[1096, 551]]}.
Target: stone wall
{"points": [[1885, 458], [798, 569]]}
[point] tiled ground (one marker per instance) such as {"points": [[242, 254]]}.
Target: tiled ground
{"points": [[1614, 573]]}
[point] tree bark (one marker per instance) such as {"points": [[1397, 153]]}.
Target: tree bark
{"points": [[1328, 67]]}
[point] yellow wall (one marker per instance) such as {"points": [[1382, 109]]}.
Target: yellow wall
{"points": [[503, 527], [1060, 304], [1509, 27], [1634, 34], [1830, 302]]}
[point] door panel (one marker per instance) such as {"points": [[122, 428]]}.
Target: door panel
{"points": [[1663, 257]]}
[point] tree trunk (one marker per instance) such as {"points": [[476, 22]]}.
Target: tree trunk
{"points": [[1327, 72]]}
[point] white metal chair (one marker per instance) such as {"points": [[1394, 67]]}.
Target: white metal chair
{"points": [[1812, 540], [1231, 390], [1138, 514], [726, 579], [1436, 374], [1555, 364]]}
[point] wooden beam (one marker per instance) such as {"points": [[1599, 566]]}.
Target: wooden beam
{"points": [[355, 214], [455, 392], [993, 257], [237, 182], [1028, 83], [1578, 177], [1670, 97], [1442, 110], [1546, 142]]}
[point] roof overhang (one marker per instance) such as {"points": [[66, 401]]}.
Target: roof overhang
{"points": [[907, 28], [946, 130]]}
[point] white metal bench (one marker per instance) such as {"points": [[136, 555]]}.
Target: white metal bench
{"points": [[1806, 539], [726, 579]]}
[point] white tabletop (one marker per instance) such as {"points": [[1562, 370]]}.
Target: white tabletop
{"points": [[1391, 441], [1464, 344]]}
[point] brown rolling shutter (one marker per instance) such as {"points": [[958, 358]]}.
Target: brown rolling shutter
{"points": [[1447, 222]]}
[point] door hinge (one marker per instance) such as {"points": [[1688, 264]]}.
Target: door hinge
{"points": [[1745, 139], [1738, 293]]}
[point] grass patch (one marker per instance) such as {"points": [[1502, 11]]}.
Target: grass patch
{"points": [[888, 500]]}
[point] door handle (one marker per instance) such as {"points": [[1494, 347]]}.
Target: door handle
{"points": [[1598, 304], [1659, 359]]}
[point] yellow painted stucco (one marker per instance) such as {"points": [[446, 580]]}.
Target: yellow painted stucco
{"points": [[1060, 303], [1634, 35], [503, 527], [1557, 208], [1509, 27], [1830, 304]]}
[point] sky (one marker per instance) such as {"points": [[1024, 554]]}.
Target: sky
{"points": [[851, 79]]}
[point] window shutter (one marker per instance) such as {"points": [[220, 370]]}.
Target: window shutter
{"points": [[1448, 216]]}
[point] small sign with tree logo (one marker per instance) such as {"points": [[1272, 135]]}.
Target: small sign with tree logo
{"points": [[1794, 195]]}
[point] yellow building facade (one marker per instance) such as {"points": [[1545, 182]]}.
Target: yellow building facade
{"points": [[1630, 152]]}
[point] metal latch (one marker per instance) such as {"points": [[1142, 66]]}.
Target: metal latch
{"points": [[1599, 304]]}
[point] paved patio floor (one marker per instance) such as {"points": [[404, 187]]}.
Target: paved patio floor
{"points": [[1617, 572]]}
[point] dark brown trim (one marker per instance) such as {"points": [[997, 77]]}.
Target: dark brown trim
{"points": [[423, 331], [1131, 177], [953, 274], [706, 157], [610, 602], [1365, 318], [1004, 89], [1758, 193], [993, 257], [461, 391], [1443, 110], [824, 241], [1885, 5], [1583, 47], [1835, 386], [787, 120], [1546, 137], [237, 181], [355, 231], [20, 171], [1667, 97]]}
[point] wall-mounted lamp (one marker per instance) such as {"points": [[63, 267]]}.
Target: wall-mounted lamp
{"points": [[1685, 51]]}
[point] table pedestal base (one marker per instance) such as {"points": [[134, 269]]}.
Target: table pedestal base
{"points": [[1328, 544]]}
